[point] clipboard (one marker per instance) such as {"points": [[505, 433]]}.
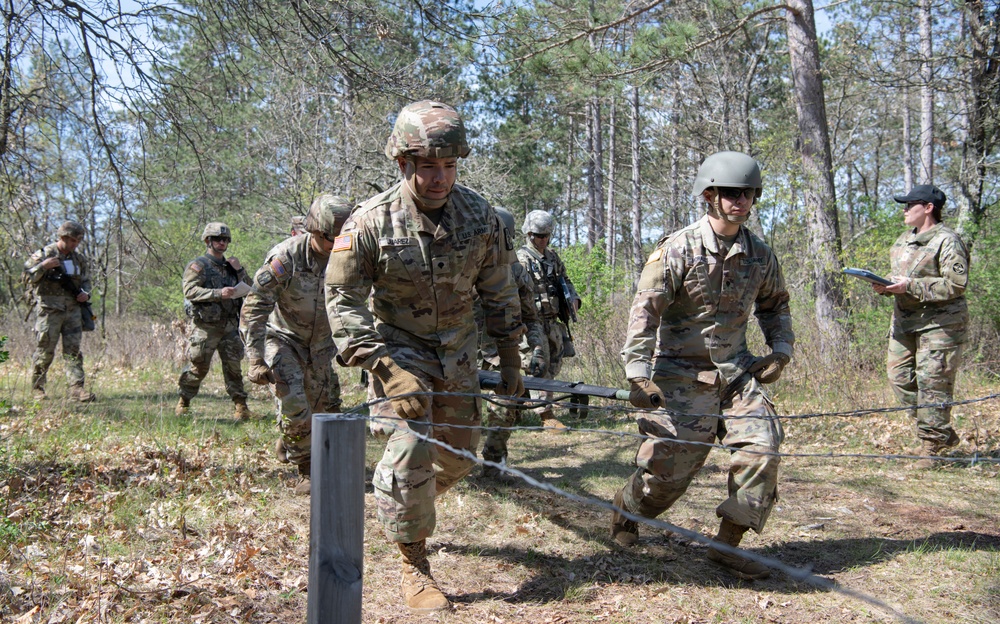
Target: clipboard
{"points": [[868, 276]]}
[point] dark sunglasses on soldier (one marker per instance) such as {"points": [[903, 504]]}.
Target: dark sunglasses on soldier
{"points": [[733, 194], [907, 206], [220, 239], [533, 235]]}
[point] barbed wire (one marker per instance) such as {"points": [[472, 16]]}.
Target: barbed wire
{"points": [[803, 574], [976, 458]]}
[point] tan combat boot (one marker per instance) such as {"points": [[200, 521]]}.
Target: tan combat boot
{"points": [[731, 534], [303, 486], [242, 412], [552, 424], [624, 531], [78, 394], [182, 406], [928, 448], [420, 592]]}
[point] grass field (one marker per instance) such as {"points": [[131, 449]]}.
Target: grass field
{"points": [[119, 511]]}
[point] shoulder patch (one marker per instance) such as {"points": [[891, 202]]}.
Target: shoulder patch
{"points": [[655, 256], [277, 267], [344, 242], [264, 278], [195, 266]]}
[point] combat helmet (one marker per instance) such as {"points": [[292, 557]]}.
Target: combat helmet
{"points": [[732, 169], [73, 229], [428, 129], [538, 222], [327, 215], [507, 219], [217, 229]]}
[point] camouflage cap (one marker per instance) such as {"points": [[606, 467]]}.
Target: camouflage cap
{"points": [[72, 229], [216, 228], [328, 214], [732, 169], [538, 222], [428, 129]]}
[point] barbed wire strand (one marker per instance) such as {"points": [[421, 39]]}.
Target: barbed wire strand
{"points": [[803, 574]]}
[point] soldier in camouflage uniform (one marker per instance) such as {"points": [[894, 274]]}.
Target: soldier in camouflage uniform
{"points": [[686, 351], [213, 304], [547, 270], [287, 333], [419, 251], [930, 272], [534, 356], [59, 314]]}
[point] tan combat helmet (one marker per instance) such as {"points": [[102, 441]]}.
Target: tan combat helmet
{"points": [[428, 129], [71, 229], [327, 215], [216, 229]]}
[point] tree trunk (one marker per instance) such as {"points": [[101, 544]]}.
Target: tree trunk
{"points": [[637, 255], [926, 96], [611, 236], [907, 143], [819, 194]]}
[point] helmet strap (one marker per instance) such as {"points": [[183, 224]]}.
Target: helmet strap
{"points": [[715, 210], [422, 203]]}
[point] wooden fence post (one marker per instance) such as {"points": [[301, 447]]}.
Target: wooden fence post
{"points": [[336, 521]]}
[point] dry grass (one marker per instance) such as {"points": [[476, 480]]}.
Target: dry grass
{"points": [[121, 512]]}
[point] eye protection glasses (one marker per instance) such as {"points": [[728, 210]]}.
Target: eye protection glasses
{"points": [[220, 239], [733, 194]]}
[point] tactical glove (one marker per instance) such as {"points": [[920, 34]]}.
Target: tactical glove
{"points": [[645, 394], [397, 381], [511, 383], [536, 366], [768, 368], [260, 372]]}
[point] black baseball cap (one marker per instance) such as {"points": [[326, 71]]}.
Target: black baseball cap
{"points": [[923, 193]]}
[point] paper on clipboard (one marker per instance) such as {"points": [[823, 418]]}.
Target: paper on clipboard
{"points": [[242, 290], [868, 276]]}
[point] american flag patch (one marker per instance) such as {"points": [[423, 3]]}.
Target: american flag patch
{"points": [[277, 267], [343, 243]]}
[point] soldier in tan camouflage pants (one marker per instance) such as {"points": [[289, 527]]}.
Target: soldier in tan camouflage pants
{"points": [[400, 288], [930, 272], [686, 354], [287, 332]]}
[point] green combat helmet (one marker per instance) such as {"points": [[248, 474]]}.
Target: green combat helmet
{"points": [[327, 215], [507, 219], [71, 229], [538, 222], [428, 129], [215, 228], [731, 169]]}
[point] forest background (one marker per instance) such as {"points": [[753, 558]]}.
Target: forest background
{"points": [[145, 120]]}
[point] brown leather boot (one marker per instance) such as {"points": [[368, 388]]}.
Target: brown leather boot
{"points": [[731, 534], [78, 394], [182, 406], [624, 531], [420, 591], [242, 412]]}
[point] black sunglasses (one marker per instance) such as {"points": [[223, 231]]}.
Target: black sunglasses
{"points": [[907, 206], [220, 239], [733, 194], [533, 235]]}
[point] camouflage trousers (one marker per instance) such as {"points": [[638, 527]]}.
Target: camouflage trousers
{"points": [[556, 334], [203, 342], [495, 440], [667, 462], [309, 385], [49, 327], [412, 472], [922, 368]]}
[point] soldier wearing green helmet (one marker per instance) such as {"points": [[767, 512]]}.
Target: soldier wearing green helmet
{"points": [[556, 301], [212, 302], [686, 352], [58, 277], [400, 288], [287, 333]]}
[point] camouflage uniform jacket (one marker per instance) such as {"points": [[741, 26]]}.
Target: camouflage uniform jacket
{"points": [[288, 302], [937, 263], [545, 270], [534, 334], [421, 279], [49, 293], [680, 326], [203, 281]]}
